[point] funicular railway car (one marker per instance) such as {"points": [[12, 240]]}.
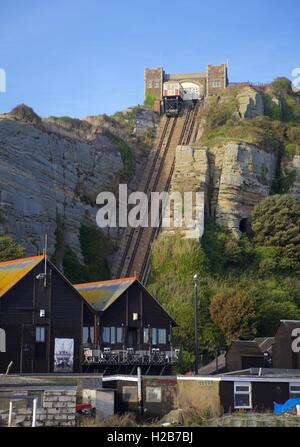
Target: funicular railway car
{"points": [[172, 98]]}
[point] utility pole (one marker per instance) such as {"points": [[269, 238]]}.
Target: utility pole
{"points": [[140, 390], [196, 323]]}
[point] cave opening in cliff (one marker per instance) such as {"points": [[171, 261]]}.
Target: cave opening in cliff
{"points": [[243, 226]]}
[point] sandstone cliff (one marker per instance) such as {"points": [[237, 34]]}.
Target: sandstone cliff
{"points": [[246, 149]]}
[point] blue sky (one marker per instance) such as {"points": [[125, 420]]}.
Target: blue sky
{"points": [[79, 58]]}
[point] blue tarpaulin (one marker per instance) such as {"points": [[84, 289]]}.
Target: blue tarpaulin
{"points": [[288, 405]]}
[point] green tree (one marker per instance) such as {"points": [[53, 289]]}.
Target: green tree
{"points": [[276, 223], [95, 248], [73, 269], [10, 249], [234, 313], [271, 312]]}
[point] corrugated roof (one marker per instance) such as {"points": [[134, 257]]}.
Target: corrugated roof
{"points": [[100, 295], [11, 272]]}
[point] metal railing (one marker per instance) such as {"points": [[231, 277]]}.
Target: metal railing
{"points": [[129, 356]]}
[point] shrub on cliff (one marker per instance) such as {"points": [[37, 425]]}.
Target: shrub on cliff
{"points": [[276, 222], [9, 249], [26, 114]]}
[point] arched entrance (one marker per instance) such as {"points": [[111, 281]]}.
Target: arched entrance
{"points": [[192, 91]]}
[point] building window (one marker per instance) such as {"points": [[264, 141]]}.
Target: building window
{"points": [[106, 334], [295, 390], [88, 334], [154, 336], [113, 335], [119, 335], [2, 340], [156, 84], [153, 394], [242, 395], [162, 336], [216, 83], [149, 84], [129, 394], [40, 334], [146, 335]]}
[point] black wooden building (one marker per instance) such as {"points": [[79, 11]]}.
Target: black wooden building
{"points": [[44, 321], [283, 353], [244, 354], [133, 329], [258, 392]]}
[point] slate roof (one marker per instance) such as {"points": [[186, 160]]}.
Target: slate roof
{"points": [[100, 295], [11, 272]]}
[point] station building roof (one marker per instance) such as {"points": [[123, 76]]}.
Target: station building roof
{"points": [[100, 295], [11, 272]]}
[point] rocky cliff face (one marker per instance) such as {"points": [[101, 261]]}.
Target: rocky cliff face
{"points": [[51, 173], [238, 159], [234, 178]]}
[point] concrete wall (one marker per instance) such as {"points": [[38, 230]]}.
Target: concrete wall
{"points": [[102, 400], [199, 395]]}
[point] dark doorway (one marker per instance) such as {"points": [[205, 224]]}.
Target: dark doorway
{"points": [[252, 362]]}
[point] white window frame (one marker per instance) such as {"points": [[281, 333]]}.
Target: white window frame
{"points": [[153, 390], [291, 391], [216, 83], [248, 393]]}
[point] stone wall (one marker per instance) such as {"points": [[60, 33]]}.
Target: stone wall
{"points": [[57, 408], [216, 74], [153, 79]]}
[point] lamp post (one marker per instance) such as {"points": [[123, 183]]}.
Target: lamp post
{"points": [[196, 322]]}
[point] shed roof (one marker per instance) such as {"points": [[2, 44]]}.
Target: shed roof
{"points": [[100, 295], [246, 348], [265, 343], [11, 272], [290, 324]]}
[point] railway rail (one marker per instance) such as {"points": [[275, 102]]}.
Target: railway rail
{"points": [[133, 256]]}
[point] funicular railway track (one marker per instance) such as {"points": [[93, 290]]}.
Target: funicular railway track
{"points": [[134, 251]]}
